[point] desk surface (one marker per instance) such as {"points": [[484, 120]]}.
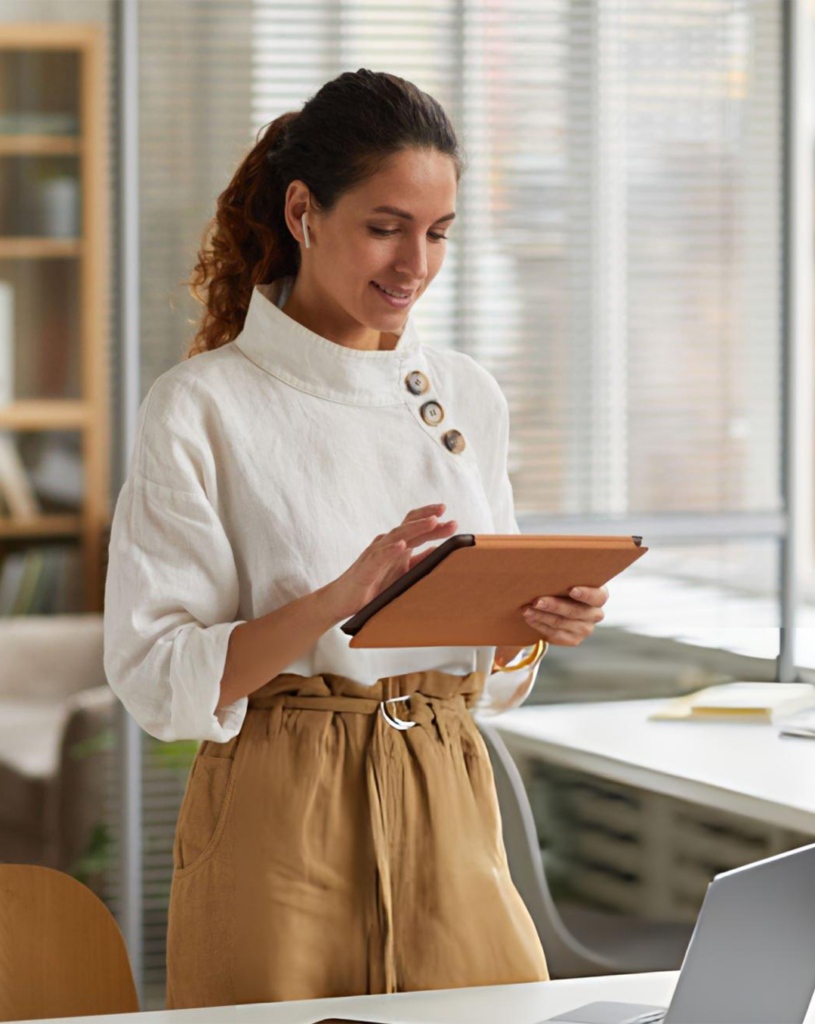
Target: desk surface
{"points": [[488, 1004], [514, 1004], [743, 767]]}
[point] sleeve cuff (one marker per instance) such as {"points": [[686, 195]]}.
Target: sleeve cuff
{"points": [[196, 669], [504, 691]]}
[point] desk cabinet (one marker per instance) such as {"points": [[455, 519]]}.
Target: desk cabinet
{"points": [[620, 848]]}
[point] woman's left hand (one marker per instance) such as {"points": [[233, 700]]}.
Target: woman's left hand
{"points": [[567, 621]]}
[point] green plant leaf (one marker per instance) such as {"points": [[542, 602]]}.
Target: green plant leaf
{"points": [[95, 858], [95, 744], [176, 756]]}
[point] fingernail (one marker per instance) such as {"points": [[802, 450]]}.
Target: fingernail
{"points": [[576, 592], [543, 603]]}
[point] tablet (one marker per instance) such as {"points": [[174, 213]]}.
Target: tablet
{"points": [[469, 591]]}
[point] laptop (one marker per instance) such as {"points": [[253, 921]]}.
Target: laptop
{"points": [[751, 957]]}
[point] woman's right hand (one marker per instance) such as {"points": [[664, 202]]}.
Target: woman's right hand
{"points": [[388, 557]]}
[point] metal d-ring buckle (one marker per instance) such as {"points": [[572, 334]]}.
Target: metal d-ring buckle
{"points": [[395, 722]]}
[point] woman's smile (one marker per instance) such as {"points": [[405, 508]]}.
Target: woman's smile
{"points": [[396, 300]]}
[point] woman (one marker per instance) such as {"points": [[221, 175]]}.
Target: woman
{"points": [[323, 848]]}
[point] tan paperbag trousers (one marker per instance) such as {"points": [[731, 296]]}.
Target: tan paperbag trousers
{"points": [[324, 851]]}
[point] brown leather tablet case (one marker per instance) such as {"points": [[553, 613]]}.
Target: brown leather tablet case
{"points": [[473, 595]]}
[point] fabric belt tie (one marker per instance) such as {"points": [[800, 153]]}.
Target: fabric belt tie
{"points": [[359, 705], [376, 762]]}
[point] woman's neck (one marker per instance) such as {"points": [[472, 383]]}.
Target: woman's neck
{"points": [[302, 309]]}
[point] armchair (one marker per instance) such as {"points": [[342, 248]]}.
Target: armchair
{"points": [[54, 700]]}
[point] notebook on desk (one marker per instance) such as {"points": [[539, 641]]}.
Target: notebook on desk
{"points": [[739, 701]]}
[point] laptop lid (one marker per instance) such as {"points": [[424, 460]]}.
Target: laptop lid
{"points": [[751, 958]]}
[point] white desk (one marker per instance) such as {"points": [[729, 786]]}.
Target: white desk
{"points": [[488, 1004], [512, 1004], [744, 768]]}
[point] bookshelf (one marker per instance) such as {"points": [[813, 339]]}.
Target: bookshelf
{"points": [[54, 288]]}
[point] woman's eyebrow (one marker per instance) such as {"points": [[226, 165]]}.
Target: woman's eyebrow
{"points": [[408, 216]]}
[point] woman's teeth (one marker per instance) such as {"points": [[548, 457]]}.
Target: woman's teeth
{"points": [[394, 299], [389, 291]]}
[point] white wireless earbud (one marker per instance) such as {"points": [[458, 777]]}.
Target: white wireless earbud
{"points": [[305, 230]]}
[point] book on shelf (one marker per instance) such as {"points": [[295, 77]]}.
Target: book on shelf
{"points": [[42, 599], [42, 580], [739, 702], [6, 342], [12, 571], [32, 570], [15, 486]]}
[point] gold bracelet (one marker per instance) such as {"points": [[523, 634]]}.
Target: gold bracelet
{"points": [[540, 648]]}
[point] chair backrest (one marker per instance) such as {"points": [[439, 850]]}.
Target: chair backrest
{"points": [[61, 951], [566, 956]]}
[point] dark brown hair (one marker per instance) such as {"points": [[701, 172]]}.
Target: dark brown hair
{"points": [[343, 135]]}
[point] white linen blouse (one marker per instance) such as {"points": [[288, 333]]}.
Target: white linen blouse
{"points": [[260, 471]]}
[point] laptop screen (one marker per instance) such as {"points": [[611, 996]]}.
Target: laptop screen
{"points": [[751, 958]]}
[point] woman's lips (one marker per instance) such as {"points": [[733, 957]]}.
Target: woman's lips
{"points": [[391, 299]]}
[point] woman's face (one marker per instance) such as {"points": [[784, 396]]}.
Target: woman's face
{"points": [[357, 249]]}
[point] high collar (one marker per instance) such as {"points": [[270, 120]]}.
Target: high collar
{"points": [[288, 350]]}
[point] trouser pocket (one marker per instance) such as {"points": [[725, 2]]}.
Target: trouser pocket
{"points": [[205, 805]]}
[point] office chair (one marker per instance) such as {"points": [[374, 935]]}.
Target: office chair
{"points": [[61, 951], [581, 942]]}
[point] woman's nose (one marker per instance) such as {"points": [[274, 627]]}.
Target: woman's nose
{"points": [[414, 262]]}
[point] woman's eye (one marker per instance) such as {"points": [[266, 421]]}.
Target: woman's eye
{"points": [[383, 231]]}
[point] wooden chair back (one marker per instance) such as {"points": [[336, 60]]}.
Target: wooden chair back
{"points": [[61, 951]]}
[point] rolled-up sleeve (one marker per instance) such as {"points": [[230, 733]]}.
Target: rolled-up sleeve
{"points": [[503, 690], [171, 592]]}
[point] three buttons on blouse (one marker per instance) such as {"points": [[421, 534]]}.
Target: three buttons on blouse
{"points": [[432, 412]]}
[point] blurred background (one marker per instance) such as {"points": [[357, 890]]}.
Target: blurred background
{"points": [[632, 261]]}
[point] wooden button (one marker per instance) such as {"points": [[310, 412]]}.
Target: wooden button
{"points": [[454, 440], [416, 382], [432, 413]]}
